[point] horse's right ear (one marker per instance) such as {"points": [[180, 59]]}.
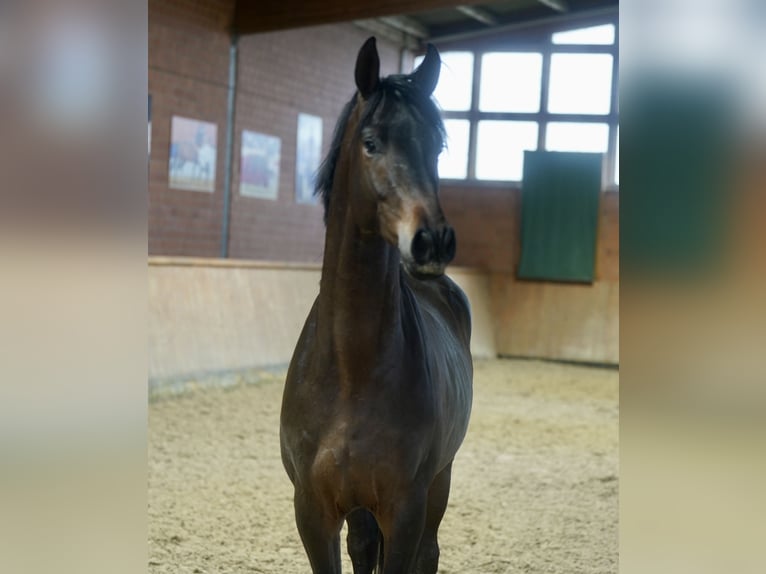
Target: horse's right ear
{"points": [[367, 73]]}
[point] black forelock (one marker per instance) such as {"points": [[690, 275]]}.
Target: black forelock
{"points": [[399, 88]]}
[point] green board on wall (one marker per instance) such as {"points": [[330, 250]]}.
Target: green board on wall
{"points": [[559, 216]]}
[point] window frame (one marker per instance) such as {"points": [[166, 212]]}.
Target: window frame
{"points": [[547, 48]]}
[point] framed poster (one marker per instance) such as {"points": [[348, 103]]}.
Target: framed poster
{"points": [[259, 165], [307, 157], [192, 154]]}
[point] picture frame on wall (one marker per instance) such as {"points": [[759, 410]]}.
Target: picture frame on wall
{"points": [[193, 151], [259, 165], [307, 156]]}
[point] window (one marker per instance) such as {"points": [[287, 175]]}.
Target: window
{"points": [[571, 136], [580, 84], [453, 161], [557, 93], [594, 35], [498, 94], [500, 148], [453, 93]]}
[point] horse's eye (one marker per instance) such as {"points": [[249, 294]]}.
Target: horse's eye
{"points": [[369, 146]]}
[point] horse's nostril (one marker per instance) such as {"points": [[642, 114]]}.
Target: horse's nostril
{"points": [[448, 244], [422, 246]]}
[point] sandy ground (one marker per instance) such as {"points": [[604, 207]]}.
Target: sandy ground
{"points": [[534, 486]]}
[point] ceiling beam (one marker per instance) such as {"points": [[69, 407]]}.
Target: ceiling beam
{"points": [[557, 5], [553, 19], [478, 14], [251, 16], [407, 25]]}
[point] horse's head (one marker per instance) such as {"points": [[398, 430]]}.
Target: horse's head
{"points": [[396, 144]]}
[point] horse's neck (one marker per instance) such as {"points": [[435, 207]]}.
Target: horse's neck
{"points": [[360, 292]]}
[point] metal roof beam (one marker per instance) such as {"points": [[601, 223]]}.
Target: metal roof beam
{"points": [[252, 16], [557, 5], [553, 19], [478, 14], [407, 25]]}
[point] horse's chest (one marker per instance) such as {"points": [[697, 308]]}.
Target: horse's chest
{"points": [[359, 464]]}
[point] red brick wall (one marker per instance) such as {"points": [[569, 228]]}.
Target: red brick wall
{"points": [[486, 222], [188, 73], [280, 74]]}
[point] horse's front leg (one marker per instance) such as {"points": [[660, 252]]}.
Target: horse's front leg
{"points": [[438, 495], [319, 531], [402, 526]]}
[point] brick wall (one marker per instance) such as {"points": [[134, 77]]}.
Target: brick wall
{"points": [[280, 74], [188, 73], [486, 222]]}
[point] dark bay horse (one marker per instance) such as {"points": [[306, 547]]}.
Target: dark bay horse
{"points": [[378, 394]]}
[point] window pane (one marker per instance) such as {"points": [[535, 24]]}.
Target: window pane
{"points": [[453, 161], [603, 35], [580, 84], [571, 136], [500, 148], [453, 92], [510, 82]]}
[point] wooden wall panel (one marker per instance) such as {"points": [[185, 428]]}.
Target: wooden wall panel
{"points": [[211, 316], [556, 320], [477, 288]]}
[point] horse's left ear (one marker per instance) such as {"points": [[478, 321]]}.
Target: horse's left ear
{"points": [[367, 72], [427, 74]]}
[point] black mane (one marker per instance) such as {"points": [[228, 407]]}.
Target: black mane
{"points": [[398, 87]]}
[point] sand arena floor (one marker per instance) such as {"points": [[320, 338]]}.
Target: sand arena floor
{"points": [[534, 486]]}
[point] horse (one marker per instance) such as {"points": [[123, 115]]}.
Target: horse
{"points": [[378, 393]]}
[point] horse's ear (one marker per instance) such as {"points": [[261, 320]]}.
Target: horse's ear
{"points": [[427, 74], [367, 73]]}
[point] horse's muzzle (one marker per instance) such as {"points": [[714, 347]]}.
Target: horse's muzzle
{"points": [[433, 249]]}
